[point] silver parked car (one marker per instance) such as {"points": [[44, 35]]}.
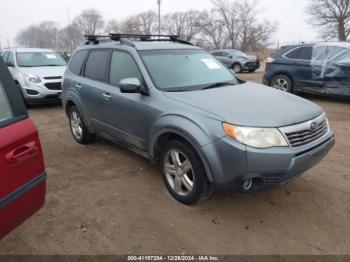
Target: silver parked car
{"points": [[37, 72], [237, 60], [176, 105]]}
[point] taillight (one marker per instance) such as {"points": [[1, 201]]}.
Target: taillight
{"points": [[270, 60]]}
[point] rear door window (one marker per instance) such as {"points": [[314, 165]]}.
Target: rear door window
{"points": [[77, 62], [123, 66], [5, 109], [303, 53], [96, 67]]}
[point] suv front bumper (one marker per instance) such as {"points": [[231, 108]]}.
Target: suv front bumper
{"points": [[232, 163], [40, 93]]}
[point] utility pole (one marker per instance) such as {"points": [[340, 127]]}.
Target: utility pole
{"points": [[68, 16], [159, 2]]}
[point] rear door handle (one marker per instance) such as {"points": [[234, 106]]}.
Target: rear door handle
{"points": [[21, 153]]}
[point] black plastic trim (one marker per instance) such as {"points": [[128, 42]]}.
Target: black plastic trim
{"points": [[22, 190]]}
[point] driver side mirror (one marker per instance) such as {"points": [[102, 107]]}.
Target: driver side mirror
{"points": [[230, 56], [130, 85]]}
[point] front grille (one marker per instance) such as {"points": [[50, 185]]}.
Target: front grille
{"points": [[308, 132], [54, 86]]}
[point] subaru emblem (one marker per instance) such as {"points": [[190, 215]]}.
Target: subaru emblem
{"points": [[313, 126]]}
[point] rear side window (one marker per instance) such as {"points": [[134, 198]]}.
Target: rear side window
{"points": [[5, 109], [96, 67], [77, 62], [123, 66], [304, 53]]}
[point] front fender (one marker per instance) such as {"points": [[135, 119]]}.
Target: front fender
{"points": [[193, 133]]}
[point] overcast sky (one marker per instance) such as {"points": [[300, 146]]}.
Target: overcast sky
{"points": [[17, 14]]}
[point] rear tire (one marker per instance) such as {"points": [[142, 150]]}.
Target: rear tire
{"points": [[283, 83], [80, 132], [183, 173]]}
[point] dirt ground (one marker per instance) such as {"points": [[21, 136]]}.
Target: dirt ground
{"points": [[103, 199]]}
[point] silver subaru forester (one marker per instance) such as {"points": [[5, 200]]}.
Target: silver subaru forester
{"points": [[178, 106]]}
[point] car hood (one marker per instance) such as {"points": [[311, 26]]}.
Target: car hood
{"points": [[46, 71], [251, 105], [252, 58]]}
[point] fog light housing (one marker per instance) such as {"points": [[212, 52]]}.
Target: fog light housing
{"points": [[32, 92]]}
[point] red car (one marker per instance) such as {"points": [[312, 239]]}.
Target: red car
{"points": [[22, 170]]}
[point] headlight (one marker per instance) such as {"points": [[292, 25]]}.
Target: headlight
{"points": [[255, 136], [32, 78]]}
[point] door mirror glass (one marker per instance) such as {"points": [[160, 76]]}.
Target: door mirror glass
{"points": [[130, 85]]}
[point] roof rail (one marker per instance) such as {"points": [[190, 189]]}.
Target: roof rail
{"points": [[124, 38]]}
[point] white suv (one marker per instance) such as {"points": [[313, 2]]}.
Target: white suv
{"points": [[38, 72]]}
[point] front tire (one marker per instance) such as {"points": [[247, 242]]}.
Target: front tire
{"points": [[237, 68], [283, 83], [78, 128], [183, 173]]}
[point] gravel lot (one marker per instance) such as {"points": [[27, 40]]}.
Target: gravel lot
{"points": [[103, 199]]}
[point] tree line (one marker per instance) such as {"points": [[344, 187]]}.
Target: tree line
{"points": [[229, 24]]}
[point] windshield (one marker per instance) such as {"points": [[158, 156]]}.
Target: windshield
{"points": [[38, 59], [185, 70]]}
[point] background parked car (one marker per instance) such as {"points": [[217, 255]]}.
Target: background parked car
{"points": [[237, 60], [37, 72], [315, 68], [22, 171]]}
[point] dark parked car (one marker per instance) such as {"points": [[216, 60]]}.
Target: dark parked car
{"points": [[237, 60], [22, 171], [176, 105], [315, 68]]}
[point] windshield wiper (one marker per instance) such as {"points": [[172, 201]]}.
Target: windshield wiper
{"points": [[219, 84]]}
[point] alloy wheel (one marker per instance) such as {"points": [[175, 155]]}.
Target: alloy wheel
{"points": [[179, 172], [281, 84], [76, 125]]}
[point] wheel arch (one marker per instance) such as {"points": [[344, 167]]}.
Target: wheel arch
{"points": [[168, 133]]}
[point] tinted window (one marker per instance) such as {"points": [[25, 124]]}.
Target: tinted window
{"points": [[123, 66], [217, 53], [10, 59], [304, 53], [77, 62], [5, 110], [97, 65], [5, 56]]}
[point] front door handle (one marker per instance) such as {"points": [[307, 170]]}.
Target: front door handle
{"points": [[79, 86], [107, 96], [21, 153]]}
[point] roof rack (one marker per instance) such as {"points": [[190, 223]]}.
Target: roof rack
{"points": [[124, 38]]}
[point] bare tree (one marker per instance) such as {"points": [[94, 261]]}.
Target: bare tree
{"points": [[229, 15], [332, 17], [89, 22], [43, 35], [213, 33], [113, 26], [70, 38], [147, 22], [241, 20], [184, 24]]}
